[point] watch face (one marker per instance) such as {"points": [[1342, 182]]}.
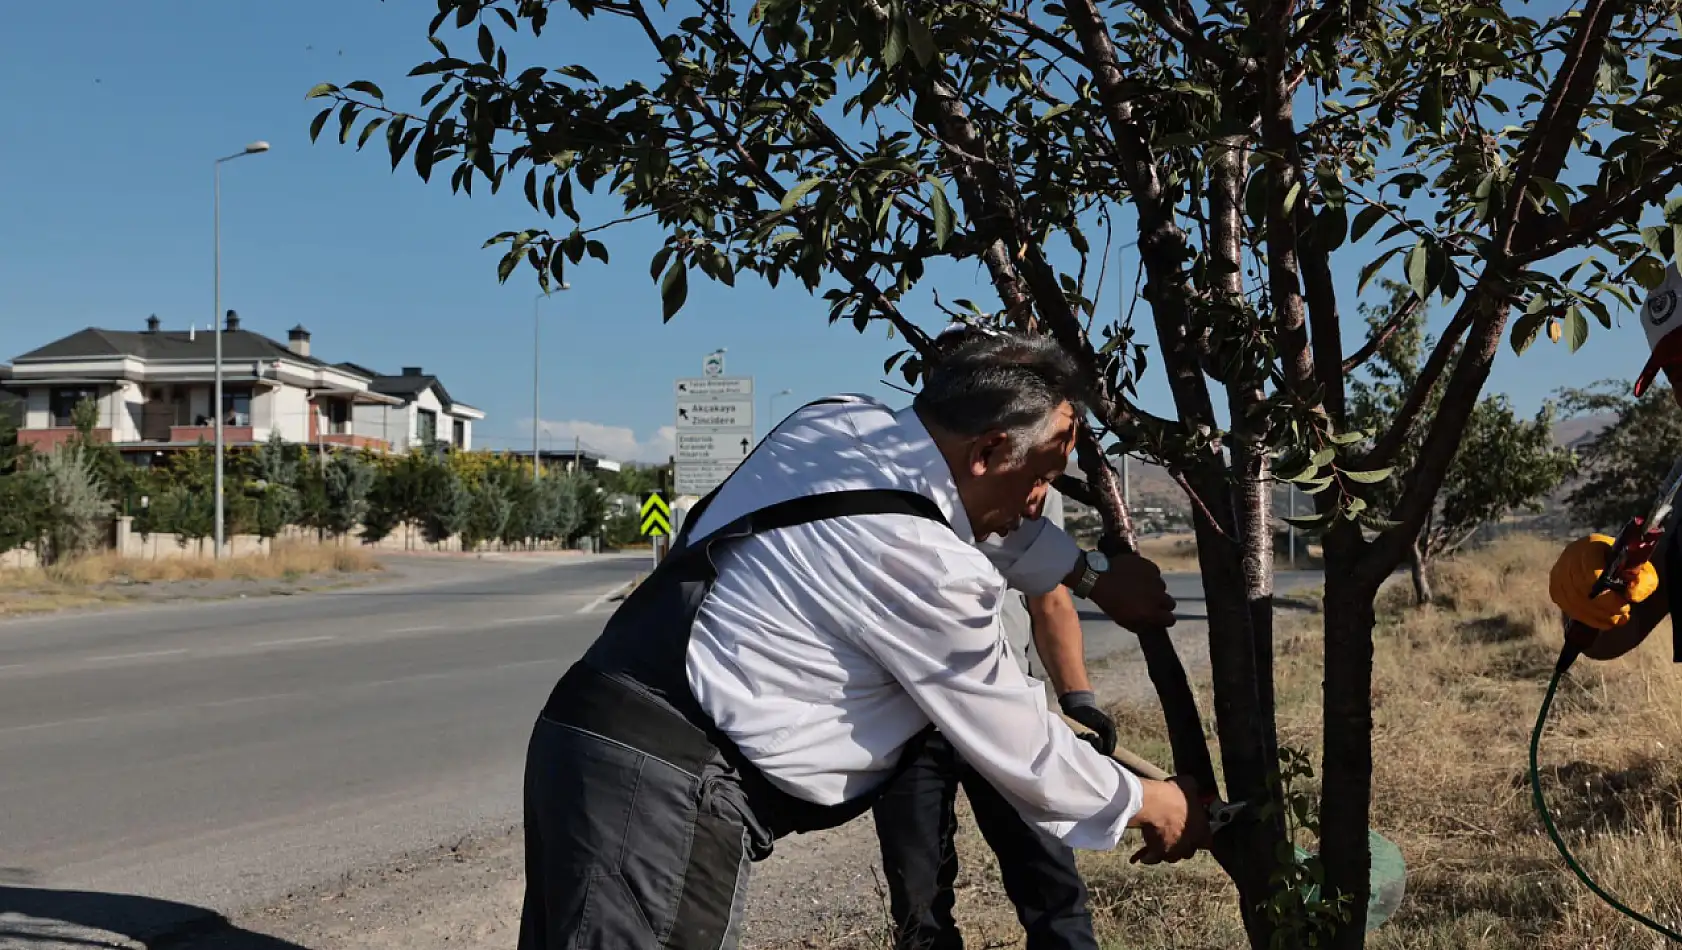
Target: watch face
{"points": [[1097, 561]]}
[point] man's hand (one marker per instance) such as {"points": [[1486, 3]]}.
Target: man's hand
{"points": [[1173, 823], [1081, 705], [1133, 594]]}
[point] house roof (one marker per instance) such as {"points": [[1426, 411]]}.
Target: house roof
{"points": [[163, 345]]}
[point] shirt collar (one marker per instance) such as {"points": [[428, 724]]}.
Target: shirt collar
{"points": [[923, 456]]}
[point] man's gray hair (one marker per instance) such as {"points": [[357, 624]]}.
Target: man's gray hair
{"points": [[1000, 380]]}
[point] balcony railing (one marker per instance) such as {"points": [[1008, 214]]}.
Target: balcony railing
{"points": [[356, 441], [45, 440], [208, 433]]}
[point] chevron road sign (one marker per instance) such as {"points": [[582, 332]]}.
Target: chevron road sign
{"points": [[656, 516]]}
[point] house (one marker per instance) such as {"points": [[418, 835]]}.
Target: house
{"points": [[423, 412], [153, 390]]}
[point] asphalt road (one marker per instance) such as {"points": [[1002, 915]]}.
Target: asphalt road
{"points": [[222, 754]]}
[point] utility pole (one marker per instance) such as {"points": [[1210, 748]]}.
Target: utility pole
{"points": [[219, 502]]}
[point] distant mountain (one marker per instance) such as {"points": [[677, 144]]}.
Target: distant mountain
{"points": [[1573, 433]]}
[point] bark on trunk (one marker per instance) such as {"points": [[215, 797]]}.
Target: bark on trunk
{"points": [[1421, 582], [1346, 789]]}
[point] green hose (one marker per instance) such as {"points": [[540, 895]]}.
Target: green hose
{"points": [[1547, 819]]}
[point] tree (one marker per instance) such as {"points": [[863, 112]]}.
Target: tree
{"points": [[78, 510], [23, 493], [862, 148], [347, 481], [489, 513], [445, 504], [272, 486], [1624, 464], [1503, 463]]}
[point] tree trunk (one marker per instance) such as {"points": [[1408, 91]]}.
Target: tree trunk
{"points": [[1416, 569], [1346, 789]]}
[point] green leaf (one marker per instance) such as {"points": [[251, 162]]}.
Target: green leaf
{"points": [[893, 49], [659, 263], [1368, 216], [1525, 330], [1368, 478], [1418, 269], [1576, 328], [320, 122], [1373, 267], [1291, 196], [1556, 194], [800, 191], [1430, 109], [941, 209], [674, 290], [365, 87], [321, 89], [922, 41], [1647, 271], [368, 131]]}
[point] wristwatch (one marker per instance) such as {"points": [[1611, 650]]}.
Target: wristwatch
{"points": [[1092, 563]]}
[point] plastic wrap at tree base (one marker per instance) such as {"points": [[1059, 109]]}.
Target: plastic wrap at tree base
{"points": [[1386, 884]]}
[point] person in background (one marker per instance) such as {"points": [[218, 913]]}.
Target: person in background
{"points": [[916, 817], [1626, 619]]}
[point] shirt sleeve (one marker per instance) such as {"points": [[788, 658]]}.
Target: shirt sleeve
{"points": [[930, 616], [1034, 558]]}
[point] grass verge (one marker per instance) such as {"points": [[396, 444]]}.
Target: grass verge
{"points": [[107, 578], [1456, 689]]}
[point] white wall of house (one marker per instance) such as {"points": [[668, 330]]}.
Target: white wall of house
{"points": [[428, 400], [37, 409], [290, 410], [466, 431]]}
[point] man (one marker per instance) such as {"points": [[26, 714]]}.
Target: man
{"points": [[916, 817], [1624, 620], [825, 606]]}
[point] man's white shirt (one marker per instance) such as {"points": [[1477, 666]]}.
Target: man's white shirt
{"points": [[823, 648]]}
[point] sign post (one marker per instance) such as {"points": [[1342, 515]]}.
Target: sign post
{"points": [[714, 428]]}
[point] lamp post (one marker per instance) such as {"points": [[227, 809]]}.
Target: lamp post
{"points": [[255, 148], [774, 397], [537, 416]]}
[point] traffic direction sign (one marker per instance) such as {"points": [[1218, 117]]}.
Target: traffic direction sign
{"points": [[722, 445], [656, 516], [715, 386], [701, 477], [715, 413]]}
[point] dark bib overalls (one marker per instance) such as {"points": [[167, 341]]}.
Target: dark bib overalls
{"points": [[640, 815]]}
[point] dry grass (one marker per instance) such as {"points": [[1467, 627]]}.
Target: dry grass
{"points": [[108, 578], [1456, 689]]}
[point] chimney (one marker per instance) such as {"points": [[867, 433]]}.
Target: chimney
{"points": [[153, 323], [233, 321], [412, 371], [298, 340]]}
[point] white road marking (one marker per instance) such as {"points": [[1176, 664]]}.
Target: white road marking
{"points": [[292, 642], [135, 656], [434, 626], [58, 722], [604, 598], [537, 619]]}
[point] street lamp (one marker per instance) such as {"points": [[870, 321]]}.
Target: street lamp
{"points": [[536, 416], [774, 398], [255, 148]]}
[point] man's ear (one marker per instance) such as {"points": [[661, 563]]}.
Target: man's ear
{"points": [[987, 452]]}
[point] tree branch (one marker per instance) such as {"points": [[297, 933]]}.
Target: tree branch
{"points": [[1390, 443], [1382, 335]]}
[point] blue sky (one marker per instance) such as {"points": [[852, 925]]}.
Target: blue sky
{"points": [[118, 109]]}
